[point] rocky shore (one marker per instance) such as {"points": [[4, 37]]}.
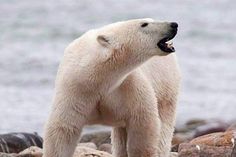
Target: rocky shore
{"points": [[197, 138]]}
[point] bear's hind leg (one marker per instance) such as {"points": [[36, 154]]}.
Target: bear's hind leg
{"points": [[167, 110], [142, 119], [143, 135], [119, 142]]}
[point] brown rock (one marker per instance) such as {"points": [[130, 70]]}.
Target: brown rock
{"points": [[98, 138], [180, 138], [105, 147], [215, 139], [192, 150]]}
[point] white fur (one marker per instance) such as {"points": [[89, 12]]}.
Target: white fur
{"points": [[117, 76]]}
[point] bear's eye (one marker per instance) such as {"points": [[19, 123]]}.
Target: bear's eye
{"points": [[144, 24]]}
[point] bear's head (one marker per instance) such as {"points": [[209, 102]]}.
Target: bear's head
{"points": [[141, 37]]}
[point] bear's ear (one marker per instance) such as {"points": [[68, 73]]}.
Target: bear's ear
{"points": [[103, 40]]}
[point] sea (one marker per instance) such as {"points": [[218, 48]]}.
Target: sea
{"points": [[34, 34]]}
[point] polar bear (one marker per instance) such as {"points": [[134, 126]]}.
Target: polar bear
{"points": [[124, 75]]}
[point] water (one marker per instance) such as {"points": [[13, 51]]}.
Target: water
{"points": [[33, 35]]}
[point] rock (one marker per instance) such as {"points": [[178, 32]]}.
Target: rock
{"points": [[216, 139], [193, 150], [88, 152], [232, 127], [32, 151], [194, 123], [88, 144], [29, 152], [173, 154], [210, 127], [17, 142], [98, 138], [174, 148], [105, 147], [80, 151], [189, 126], [218, 144], [203, 127], [234, 151], [182, 137], [8, 155]]}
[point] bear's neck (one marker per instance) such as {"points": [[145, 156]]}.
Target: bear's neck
{"points": [[117, 67], [100, 76]]}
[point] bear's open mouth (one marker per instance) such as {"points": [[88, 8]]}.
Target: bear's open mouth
{"points": [[166, 44]]}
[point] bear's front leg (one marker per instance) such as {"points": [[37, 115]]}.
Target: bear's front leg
{"points": [[60, 139], [68, 116], [144, 135]]}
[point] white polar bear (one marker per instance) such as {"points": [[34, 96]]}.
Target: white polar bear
{"points": [[123, 75]]}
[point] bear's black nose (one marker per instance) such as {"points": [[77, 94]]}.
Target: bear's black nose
{"points": [[174, 25]]}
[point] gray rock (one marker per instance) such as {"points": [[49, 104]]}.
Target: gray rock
{"points": [[17, 142], [194, 123], [232, 127], [98, 138], [8, 155], [106, 147], [211, 127]]}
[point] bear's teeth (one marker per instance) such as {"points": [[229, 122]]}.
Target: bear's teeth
{"points": [[169, 43]]}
